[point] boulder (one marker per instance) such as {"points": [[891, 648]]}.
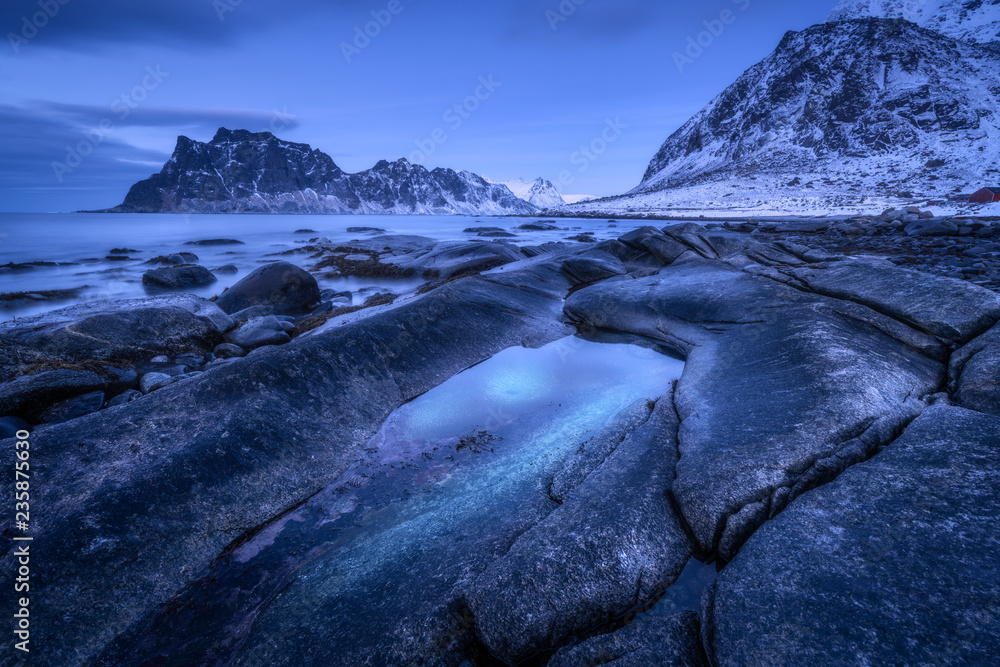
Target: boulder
{"points": [[923, 227], [215, 242], [229, 351], [667, 641], [30, 396], [540, 226], [592, 267], [112, 331], [124, 398], [153, 381], [613, 544], [897, 561], [71, 408], [286, 287], [179, 277], [258, 332], [635, 238], [449, 259]]}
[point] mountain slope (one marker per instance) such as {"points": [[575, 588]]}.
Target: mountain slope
{"points": [[244, 172], [839, 114], [967, 20]]}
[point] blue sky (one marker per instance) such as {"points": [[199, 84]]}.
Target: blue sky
{"points": [[93, 93]]}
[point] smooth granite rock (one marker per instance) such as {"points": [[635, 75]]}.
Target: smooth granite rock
{"points": [[593, 267], [258, 332], [667, 641], [286, 287], [782, 390], [896, 562], [952, 309], [613, 544], [975, 373]]}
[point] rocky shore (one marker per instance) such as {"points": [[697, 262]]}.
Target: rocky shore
{"points": [[831, 446]]}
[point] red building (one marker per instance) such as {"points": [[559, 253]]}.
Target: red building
{"points": [[985, 196]]}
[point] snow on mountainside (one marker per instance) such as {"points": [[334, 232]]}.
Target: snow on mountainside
{"points": [[243, 172], [969, 20], [842, 114], [539, 193]]}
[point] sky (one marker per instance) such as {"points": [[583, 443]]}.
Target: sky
{"points": [[94, 93]]}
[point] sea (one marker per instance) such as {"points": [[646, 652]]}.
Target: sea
{"points": [[42, 252]]}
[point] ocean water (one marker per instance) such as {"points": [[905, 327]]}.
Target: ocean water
{"points": [[78, 246]]}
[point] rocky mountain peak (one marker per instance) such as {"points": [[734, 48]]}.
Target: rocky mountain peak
{"points": [[255, 172]]}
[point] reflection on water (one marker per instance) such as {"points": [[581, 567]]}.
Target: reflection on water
{"points": [[421, 503]]}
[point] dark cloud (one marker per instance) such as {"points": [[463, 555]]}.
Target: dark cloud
{"points": [[95, 24], [75, 156]]}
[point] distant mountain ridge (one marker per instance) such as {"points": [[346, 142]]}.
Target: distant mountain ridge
{"points": [[243, 172], [540, 192]]}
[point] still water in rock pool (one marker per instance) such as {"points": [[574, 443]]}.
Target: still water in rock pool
{"points": [[447, 484]]}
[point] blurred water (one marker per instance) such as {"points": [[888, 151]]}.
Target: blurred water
{"points": [[81, 242]]}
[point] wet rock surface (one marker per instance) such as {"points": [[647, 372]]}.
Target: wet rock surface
{"points": [[613, 544]]}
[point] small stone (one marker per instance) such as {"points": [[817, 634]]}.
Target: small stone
{"points": [[153, 381], [259, 332], [162, 359], [123, 398], [229, 351], [73, 408]]}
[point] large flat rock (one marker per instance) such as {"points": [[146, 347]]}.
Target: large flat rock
{"points": [[896, 562], [782, 391], [953, 309], [611, 546]]}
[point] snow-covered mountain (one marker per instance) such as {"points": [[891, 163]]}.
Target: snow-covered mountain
{"points": [[839, 115], [968, 20], [244, 172], [539, 193]]}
